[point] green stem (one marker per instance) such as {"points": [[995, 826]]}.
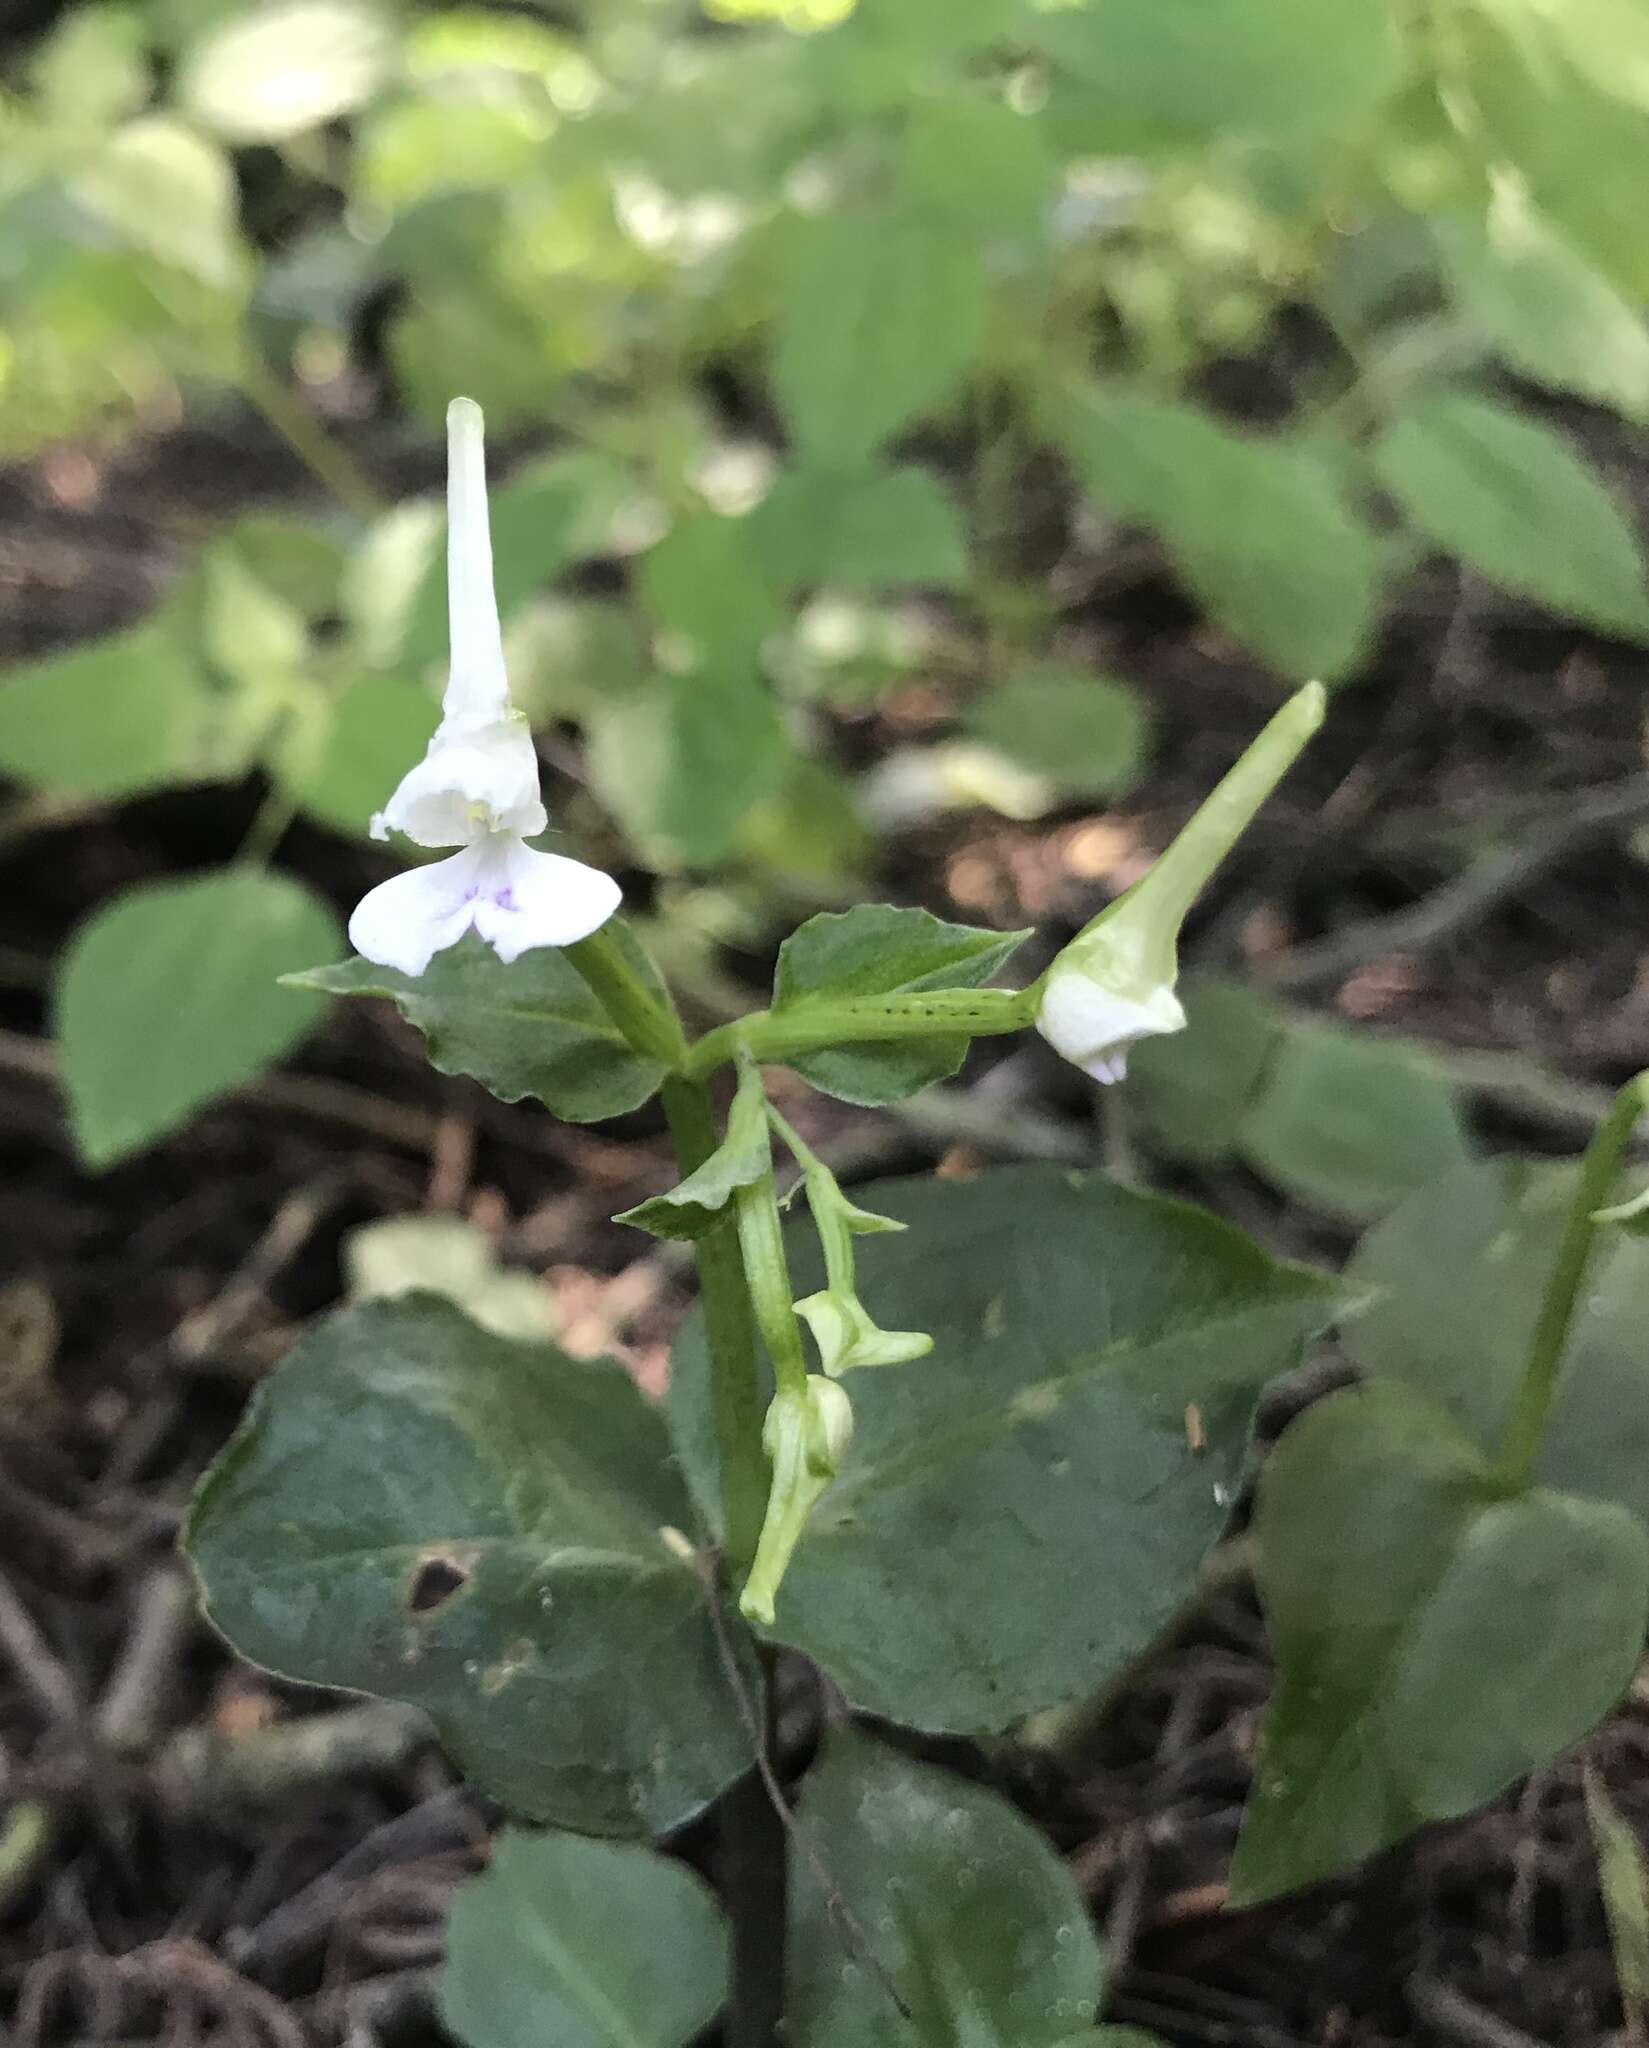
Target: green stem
{"points": [[267, 829], [735, 1381], [767, 1273], [778, 1035], [309, 440], [645, 1015], [1514, 1467]]}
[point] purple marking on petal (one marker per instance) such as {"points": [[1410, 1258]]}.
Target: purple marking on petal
{"points": [[472, 892], [505, 898]]}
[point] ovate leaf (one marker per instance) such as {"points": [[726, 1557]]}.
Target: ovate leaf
{"points": [[970, 1913], [881, 318], [1027, 1507], [529, 1029], [1549, 311], [1510, 498], [586, 1944], [1195, 1087], [1224, 66], [484, 1529], [1351, 1125], [1239, 515], [168, 996], [681, 761], [703, 582], [1452, 1283], [869, 530], [877, 950], [1435, 1639], [1085, 733], [122, 714]]}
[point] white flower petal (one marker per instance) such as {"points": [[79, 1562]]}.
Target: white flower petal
{"points": [[1093, 1026], [533, 899], [477, 687], [474, 779], [407, 920]]}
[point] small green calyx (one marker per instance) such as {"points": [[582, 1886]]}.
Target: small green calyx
{"points": [[847, 1337], [1114, 983], [806, 1435], [844, 1330]]}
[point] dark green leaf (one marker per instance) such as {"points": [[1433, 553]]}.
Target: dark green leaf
{"points": [[418, 1509], [1510, 498], [877, 950], [881, 318], [531, 1029], [168, 996], [586, 1944], [1024, 1510], [1351, 1125], [1195, 1087], [1086, 733], [1239, 515], [969, 1911], [1434, 1639], [1453, 1281]]}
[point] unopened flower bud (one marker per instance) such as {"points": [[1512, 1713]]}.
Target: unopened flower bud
{"points": [[1114, 983]]}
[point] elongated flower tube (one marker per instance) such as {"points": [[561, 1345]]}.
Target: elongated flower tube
{"points": [[1114, 983], [477, 786], [805, 1436]]}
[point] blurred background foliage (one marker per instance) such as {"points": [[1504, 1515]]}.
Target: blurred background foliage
{"points": [[825, 348]]}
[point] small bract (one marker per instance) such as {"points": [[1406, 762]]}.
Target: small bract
{"points": [[477, 786]]}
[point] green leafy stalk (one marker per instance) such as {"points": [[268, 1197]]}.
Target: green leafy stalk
{"points": [[761, 1240], [730, 1336], [1538, 1389], [779, 1035]]}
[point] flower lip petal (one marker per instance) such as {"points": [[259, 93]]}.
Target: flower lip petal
{"points": [[406, 921], [531, 899]]}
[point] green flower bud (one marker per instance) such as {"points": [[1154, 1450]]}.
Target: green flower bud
{"points": [[806, 1436], [1114, 983]]}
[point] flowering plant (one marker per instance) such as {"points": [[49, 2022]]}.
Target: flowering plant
{"points": [[964, 1522]]}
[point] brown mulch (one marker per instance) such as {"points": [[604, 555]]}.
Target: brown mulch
{"points": [[191, 1852]]}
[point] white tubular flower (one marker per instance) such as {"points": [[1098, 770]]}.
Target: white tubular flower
{"points": [[1114, 983], [477, 785]]}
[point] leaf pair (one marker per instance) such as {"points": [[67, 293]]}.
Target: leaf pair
{"points": [[902, 1873], [489, 1531]]}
